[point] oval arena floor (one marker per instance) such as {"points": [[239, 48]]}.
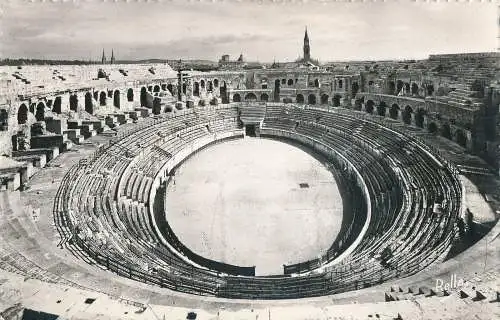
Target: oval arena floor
{"points": [[255, 202]]}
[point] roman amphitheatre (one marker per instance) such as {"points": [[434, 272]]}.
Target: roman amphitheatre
{"points": [[294, 191]]}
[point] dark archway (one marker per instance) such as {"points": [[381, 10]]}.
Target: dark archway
{"points": [[116, 99], [264, 97], [419, 118], [150, 88], [446, 131], [196, 89], [277, 90], [156, 88], [432, 127], [324, 98], [89, 104], [354, 88], [73, 102], [391, 88], [430, 89], [102, 98], [407, 88], [184, 88], [209, 86], [300, 98], [236, 97], [370, 105], [407, 114], [156, 105], [4, 120], [290, 82], [143, 96], [96, 95], [164, 87], [32, 108], [223, 92], [216, 83], [399, 86], [311, 99], [130, 95], [336, 101], [170, 88], [22, 114], [316, 83], [341, 84], [358, 103], [414, 89], [57, 106], [202, 84], [394, 111], [381, 109], [250, 97], [461, 138], [40, 111]]}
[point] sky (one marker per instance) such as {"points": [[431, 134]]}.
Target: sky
{"points": [[261, 30]]}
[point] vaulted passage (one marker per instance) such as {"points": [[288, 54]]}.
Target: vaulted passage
{"points": [[89, 104], [22, 114], [73, 102]]}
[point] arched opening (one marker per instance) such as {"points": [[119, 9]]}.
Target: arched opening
{"points": [[354, 88], [236, 97], [110, 93], [116, 99], [407, 114], [370, 106], [264, 97], [290, 82], [432, 127], [299, 98], [209, 86], [414, 89], [143, 96], [196, 89], [277, 90], [156, 105], [40, 111], [391, 88], [57, 106], [184, 88], [336, 101], [394, 111], [419, 118], [32, 108], [164, 87], [130, 95], [202, 84], [283, 81], [170, 88], [73, 102], [358, 103], [461, 138], [250, 97], [156, 88], [102, 98], [324, 98], [223, 92], [316, 83], [4, 119], [96, 95], [341, 83], [216, 83], [22, 114], [407, 88], [381, 109], [89, 105], [311, 99], [446, 131], [150, 88], [430, 89], [399, 86]]}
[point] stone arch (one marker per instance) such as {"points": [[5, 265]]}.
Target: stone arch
{"points": [[370, 105], [216, 83], [354, 88], [414, 89], [156, 88], [358, 103], [89, 104], [102, 98], [209, 86], [184, 88], [143, 96], [116, 99], [264, 97], [164, 87], [110, 93], [407, 87], [223, 92], [446, 131], [196, 89], [4, 120], [57, 106], [407, 114], [381, 108], [32, 107], [40, 111], [300, 98], [429, 89], [73, 102], [96, 95], [419, 118], [399, 86], [236, 97], [170, 88], [432, 127], [336, 100], [324, 98], [290, 82], [311, 99], [461, 138], [277, 90], [283, 81], [340, 83], [130, 95], [394, 111], [202, 84], [22, 114], [250, 97], [316, 83], [156, 105], [391, 89]]}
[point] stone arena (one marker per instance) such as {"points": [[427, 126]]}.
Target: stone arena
{"points": [[294, 191]]}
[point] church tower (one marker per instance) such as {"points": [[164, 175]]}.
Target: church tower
{"points": [[112, 61], [307, 48], [103, 59]]}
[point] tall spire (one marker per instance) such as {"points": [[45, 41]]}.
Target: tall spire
{"points": [[112, 56], [307, 48], [103, 59]]}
